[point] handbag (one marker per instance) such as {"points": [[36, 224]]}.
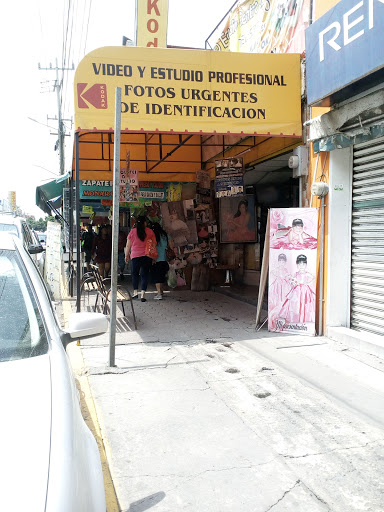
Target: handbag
{"points": [[150, 249]]}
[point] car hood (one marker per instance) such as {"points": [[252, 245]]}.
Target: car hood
{"points": [[25, 432]]}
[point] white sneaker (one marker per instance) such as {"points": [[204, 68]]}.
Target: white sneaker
{"points": [[158, 297]]}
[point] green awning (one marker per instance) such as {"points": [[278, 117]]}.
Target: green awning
{"points": [[53, 190]]}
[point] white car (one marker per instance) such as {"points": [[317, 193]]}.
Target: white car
{"points": [[18, 226], [49, 459], [42, 238]]}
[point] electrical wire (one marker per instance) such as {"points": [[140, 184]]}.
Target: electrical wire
{"points": [[65, 39], [86, 35], [81, 35], [81, 43]]}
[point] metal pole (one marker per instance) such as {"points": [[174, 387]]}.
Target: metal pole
{"points": [[321, 269], [60, 130], [115, 226], [300, 192], [70, 248], [77, 223], [314, 176]]}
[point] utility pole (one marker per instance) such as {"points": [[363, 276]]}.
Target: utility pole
{"points": [[61, 131]]}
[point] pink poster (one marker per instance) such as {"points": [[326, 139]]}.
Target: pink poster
{"points": [[292, 270]]}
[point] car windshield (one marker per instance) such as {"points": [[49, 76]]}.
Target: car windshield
{"points": [[10, 228], [22, 333]]}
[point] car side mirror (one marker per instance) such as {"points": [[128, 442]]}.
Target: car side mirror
{"points": [[35, 249], [84, 325]]}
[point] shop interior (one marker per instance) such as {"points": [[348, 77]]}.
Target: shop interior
{"points": [[182, 168]]}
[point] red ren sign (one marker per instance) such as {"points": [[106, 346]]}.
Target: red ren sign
{"points": [[152, 19]]}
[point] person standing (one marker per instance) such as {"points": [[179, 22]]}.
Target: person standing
{"points": [[140, 263], [121, 253], [160, 267], [102, 247], [87, 244]]}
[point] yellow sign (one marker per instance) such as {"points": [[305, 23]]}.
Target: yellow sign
{"points": [[196, 91], [12, 200], [152, 21], [87, 209]]}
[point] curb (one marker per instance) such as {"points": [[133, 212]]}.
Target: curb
{"points": [[89, 412]]}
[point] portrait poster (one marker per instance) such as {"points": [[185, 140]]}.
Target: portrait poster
{"points": [[292, 270], [237, 219], [229, 177], [179, 222], [133, 186]]}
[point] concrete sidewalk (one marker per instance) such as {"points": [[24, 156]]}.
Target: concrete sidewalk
{"points": [[191, 416]]}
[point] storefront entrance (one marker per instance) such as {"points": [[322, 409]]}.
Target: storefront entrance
{"points": [[176, 130]]}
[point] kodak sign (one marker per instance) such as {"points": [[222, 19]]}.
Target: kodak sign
{"points": [[196, 91], [152, 19]]}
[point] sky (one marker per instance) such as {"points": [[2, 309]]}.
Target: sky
{"points": [[37, 32]]}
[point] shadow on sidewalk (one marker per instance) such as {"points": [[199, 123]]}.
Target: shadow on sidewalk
{"points": [[146, 503], [123, 323]]}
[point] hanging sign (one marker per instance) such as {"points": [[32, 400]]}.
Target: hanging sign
{"points": [[124, 186], [292, 270], [174, 192], [133, 195], [229, 177], [96, 189], [174, 90], [152, 190]]}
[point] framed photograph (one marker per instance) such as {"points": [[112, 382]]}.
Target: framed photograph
{"points": [[237, 219], [179, 222]]}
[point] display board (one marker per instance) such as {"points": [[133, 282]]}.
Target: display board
{"points": [[292, 270], [53, 259]]}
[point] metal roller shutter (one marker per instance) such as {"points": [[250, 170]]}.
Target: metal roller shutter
{"points": [[367, 287]]}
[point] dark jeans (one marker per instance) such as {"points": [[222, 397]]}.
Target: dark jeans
{"points": [[159, 271], [140, 267]]}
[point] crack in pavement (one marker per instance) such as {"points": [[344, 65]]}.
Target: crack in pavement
{"points": [[377, 441], [97, 371], [284, 495], [149, 391], [187, 478], [315, 495]]}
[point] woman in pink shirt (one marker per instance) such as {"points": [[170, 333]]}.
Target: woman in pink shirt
{"points": [[135, 249]]}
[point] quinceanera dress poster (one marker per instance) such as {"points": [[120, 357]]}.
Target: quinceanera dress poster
{"points": [[292, 270]]}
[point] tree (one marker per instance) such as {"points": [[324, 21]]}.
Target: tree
{"points": [[39, 225]]}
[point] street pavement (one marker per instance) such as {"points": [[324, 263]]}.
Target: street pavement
{"points": [[203, 413]]}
